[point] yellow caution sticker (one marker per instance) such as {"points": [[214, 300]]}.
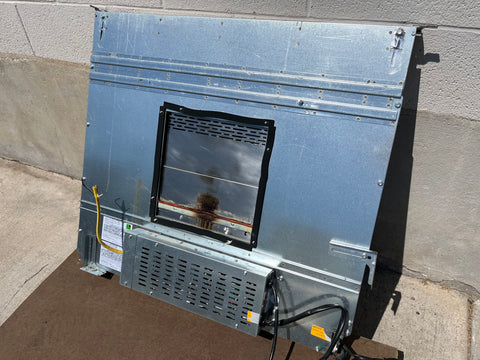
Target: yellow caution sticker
{"points": [[253, 317], [320, 333]]}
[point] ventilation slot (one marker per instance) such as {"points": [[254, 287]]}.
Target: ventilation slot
{"points": [[199, 288], [218, 128]]}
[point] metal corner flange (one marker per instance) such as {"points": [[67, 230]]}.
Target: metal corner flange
{"points": [[355, 253]]}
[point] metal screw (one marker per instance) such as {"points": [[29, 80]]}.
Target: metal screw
{"points": [[317, 348], [300, 102], [79, 230], [414, 33], [280, 278], [399, 32], [125, 282], [130, 236], [236, 326], [88, 124], [151, 292], [364, 255], [245, 272], [92, 66], [397, 105], [156, 244], [380, 183]]}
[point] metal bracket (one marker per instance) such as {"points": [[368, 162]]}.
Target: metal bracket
{"points": [[365, 256], [399, 34], [94, 269]]}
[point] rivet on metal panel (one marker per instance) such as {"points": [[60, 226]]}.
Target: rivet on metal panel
{"points": [[397, 105], [280, 278], [88, 124], [125, 282], [380, 182], [236, 326], [150, 292], [245, 272], [79, 230], [300, 102], [92, 66], [317, 348], [156, 245], [130, 236]]}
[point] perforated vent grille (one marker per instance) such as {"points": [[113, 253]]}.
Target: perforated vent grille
{"points": [[217, 128], [213, 289]]}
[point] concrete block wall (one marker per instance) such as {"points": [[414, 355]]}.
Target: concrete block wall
{"points": [[430, 216]]}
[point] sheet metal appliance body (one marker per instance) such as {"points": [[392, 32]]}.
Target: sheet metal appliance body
{"points": [[332, 94]]}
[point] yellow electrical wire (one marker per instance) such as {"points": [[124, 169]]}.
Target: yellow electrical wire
{"points": [[97, 200]]}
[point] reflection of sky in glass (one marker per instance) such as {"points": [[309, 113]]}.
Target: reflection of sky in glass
{"points": [[233, 170], [215, 156]]}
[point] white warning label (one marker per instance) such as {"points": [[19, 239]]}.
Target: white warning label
{"points": [[112, 236]]}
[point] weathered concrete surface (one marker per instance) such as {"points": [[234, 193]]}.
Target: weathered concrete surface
{"points": [[59, 32], [38, 227], [448, 72], [14, 38], [296, 8], [443, 227], [43, 111], [420, 318], [442, 12], [429, 214], [475, 345]]}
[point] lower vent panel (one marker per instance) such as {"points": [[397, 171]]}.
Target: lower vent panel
{"points": [[205, 286]]}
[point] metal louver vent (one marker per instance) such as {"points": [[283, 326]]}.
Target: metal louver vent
{"points": [[214, 289], [218, 128]]}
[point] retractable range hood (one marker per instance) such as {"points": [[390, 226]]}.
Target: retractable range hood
{"points": [[236, 157]]}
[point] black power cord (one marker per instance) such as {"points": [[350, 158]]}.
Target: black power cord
{"points": [[275, 321], [283, 322]]}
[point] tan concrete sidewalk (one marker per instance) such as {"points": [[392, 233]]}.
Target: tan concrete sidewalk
{"points": [[38, 227]]}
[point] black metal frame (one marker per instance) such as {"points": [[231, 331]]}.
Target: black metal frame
{"points": [[159, 160]]}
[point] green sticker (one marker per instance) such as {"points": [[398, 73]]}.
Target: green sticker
{"points": [[128, 227]]}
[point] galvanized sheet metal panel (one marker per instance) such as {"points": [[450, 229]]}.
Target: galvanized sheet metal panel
{"points": [[335, 94]]}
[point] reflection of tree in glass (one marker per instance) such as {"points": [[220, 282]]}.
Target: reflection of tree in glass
{"points": [[206, 204]]}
